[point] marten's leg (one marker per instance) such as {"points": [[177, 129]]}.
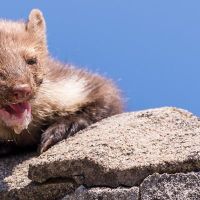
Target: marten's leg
{"points": [[64, 128], [61, 130]]}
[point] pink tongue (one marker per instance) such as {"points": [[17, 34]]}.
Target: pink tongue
{"points": [[20, 107]]}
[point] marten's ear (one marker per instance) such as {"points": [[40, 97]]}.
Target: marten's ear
{"points": [[36, 23], [37, 28]]}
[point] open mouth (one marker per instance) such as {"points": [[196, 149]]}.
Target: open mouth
{"points": [[16, 116]]}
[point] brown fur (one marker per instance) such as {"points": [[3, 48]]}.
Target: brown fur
{"points": [[64, 99]]}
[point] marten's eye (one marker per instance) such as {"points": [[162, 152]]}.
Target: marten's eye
{"points": [[31, 61]]}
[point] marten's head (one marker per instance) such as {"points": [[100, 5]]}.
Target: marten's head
{"points": [[23, 51]]}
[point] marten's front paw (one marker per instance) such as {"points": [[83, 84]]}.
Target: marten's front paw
{"points": [[60, 131], [51, 136]]}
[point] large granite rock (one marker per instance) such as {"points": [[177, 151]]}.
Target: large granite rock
{"points": [[171, 186], [125, 149], [15, 185], [104, 194]]}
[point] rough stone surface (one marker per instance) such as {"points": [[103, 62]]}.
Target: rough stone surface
{"points": [[14, 182], [104, 194], [171, 186], [125, 149]]}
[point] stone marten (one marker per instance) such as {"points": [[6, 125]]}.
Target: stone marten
{"points": [[43, 101]]}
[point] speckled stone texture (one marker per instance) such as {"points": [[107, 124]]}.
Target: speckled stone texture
{"points": [[171, 186], [15, 185], [125, 149], [104, 194]]}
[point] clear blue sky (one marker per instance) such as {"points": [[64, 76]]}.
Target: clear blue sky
{"points": [[151, 48]]}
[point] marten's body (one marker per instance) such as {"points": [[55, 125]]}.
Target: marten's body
{"points": [[43, 101]]}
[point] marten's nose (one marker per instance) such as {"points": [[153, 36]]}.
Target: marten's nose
{"points": [[22, 91]]}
